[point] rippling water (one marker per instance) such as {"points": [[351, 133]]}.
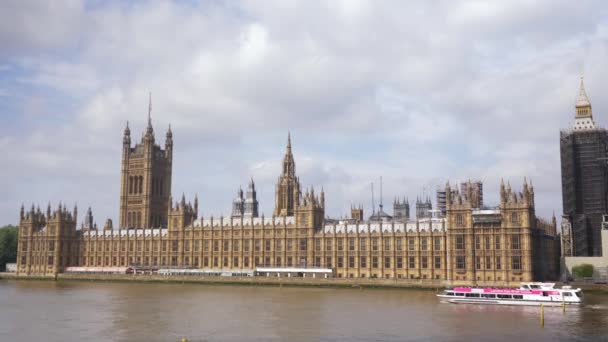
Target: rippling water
{"points": [[89, 311]]}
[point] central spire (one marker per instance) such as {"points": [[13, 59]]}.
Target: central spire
{"points": [[288, 162], [149, 129]]}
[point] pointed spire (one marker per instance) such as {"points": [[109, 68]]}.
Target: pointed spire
{"points": [[288, 141], [149, 130], [582, 100]]}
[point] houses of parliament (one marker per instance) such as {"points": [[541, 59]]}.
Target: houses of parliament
{"points": [[468, 244]]}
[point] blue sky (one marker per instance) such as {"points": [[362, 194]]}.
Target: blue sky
{"points": [[416, 92]]}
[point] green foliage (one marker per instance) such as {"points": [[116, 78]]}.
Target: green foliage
{"points": [[8, 245], [583, 271]]}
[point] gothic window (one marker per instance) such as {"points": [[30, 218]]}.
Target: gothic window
{"points": [[497, 242], [437, 244], [130, 184], [459, 220], [498, 265], [387, 262], [410, 243], [363, 262], [477, 242], [488, 263], [374, 244], [423, 244], [399, 262], [425, 262], [514, 218], [161, 186], [412, 262], [387, 244], [351, 245], [516, 263], [303, 243], [139, 219], [267, 245], [363, 244], [437, 262], [460, 242], [141, 184], [515, 242], [460, 262]]}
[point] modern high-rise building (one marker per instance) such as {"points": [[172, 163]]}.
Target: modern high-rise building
{"points": [[584, 169]]}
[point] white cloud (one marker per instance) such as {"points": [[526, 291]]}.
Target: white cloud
{"points": [[416, 92]]}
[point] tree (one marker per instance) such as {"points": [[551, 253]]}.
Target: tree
{"points": [[8, 245], [582, 271]]}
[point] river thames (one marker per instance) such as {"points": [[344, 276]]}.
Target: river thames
{"points": [[97, 311]]}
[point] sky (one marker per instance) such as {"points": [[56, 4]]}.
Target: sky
{"points": [[415, 92]]}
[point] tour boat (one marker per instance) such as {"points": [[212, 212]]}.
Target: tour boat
{"points": [[526, 294]]}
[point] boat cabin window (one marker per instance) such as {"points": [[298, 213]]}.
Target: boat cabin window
{"points": [[472, 295], [578, 294], [460, 294], [504, 296], [518, 297], [450, 293], [488, 295], [567, 294], [535, 286]]}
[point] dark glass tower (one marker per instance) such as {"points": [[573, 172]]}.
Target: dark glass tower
{"points": [[584, 178]]}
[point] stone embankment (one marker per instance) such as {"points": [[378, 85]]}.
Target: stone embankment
{"points": [[435, 285]]}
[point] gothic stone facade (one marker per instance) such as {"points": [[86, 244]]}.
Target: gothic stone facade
{"points": [[469, 245]]}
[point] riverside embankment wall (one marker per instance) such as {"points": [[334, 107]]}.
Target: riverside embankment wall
{"points": [[268, 281]]}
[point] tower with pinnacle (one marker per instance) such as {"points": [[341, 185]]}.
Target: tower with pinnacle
{"points": [[287, 194], [145, 186], [584, 166]]}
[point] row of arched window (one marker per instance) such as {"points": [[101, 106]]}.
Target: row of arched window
{"points": [[136, 184], [134, 219], [157, 186]]}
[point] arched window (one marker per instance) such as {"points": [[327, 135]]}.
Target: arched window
{"points": [[139, 219], [129, 219], [141, 184], [130, 181]]}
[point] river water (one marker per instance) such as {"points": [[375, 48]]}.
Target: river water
{"points": [[95, 311]]}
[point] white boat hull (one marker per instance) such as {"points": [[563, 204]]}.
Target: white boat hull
{"points": [[485, 301]]}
